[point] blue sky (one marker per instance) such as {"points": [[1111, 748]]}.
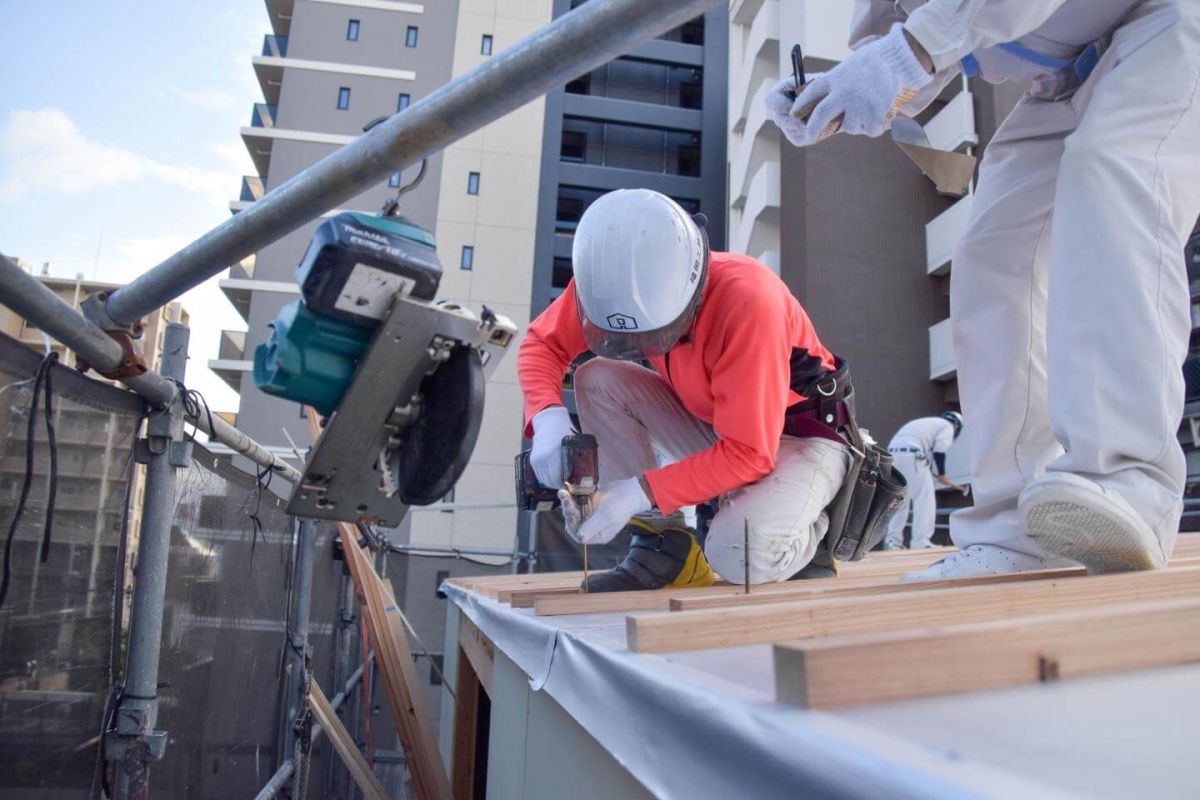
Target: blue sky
{"points": [[119, 140]]}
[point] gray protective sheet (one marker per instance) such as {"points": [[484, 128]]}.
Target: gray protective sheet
{"points": [[706, 724]]}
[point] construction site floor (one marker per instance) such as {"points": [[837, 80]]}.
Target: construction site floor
{"points": [[708, 723]]}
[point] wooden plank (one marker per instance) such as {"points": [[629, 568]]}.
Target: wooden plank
{"points": [[526, 598], [552, 603], [881, 586], [774, 622], [479, 651], [395, 663], [886, 666], [467, 687], [344, 746]]}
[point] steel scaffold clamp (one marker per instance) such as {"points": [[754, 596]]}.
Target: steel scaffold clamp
{"points": [[132, 362]]}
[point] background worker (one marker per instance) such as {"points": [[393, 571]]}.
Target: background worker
{"points": [[734, 358], [1069, 303], [919, 449]]}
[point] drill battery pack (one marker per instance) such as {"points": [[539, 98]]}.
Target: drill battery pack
{"points": [[356, 263]]}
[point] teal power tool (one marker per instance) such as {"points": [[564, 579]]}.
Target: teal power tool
{"points": [[399, 376]]}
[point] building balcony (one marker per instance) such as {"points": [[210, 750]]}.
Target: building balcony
{"points": [[759, 143], [942, 235], [269, 71], [942, 366], [953, 128], [742, 12], [231, 359], [760, 210], [275, 46], [760, 59], [252, 188], [280, 12]]}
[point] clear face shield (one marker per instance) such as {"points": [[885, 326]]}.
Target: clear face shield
{"points": [[619, 337]]}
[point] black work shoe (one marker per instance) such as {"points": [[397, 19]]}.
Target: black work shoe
{"points": [[821, 566], [659, 558]]}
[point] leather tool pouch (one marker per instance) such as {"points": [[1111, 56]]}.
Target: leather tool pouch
{"points": [[871, 495]]}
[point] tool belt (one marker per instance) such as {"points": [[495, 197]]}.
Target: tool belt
{"points": [[872, 492]]}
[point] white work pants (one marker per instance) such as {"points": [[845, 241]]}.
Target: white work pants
{"points": [[1069, 296], [636, 418], [921, 498]]}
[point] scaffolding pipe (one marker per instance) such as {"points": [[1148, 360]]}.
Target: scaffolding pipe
{"points": [[281, 776], [575, 43], [33, 300], [136, 744], [297, 651]]}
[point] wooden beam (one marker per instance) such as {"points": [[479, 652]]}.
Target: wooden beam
{"points": [[800, 591], [478, 649], [467, 688], [526, 598], [774, 622], [395, 663], [344, 746], [886, 666]]}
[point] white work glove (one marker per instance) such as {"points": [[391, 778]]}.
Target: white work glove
{"points": [[779, 102], [611, 510], [861, 95], [550, 425]]}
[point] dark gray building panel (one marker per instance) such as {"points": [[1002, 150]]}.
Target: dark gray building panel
{"points": [[653, 119]]}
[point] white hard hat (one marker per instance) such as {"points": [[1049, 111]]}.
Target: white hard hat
{"points": [[955, 419], [640, 263]]}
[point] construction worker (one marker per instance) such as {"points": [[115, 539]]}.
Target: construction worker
{"points": [[1069, 302], [919, 451], [733, 360]]}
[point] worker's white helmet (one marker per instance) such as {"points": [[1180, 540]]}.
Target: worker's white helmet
{"points": [[956, 420], [640, 263]]}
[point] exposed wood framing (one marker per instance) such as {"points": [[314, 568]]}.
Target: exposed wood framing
{"points": [[395, 663], [892, 665], [478, 650], [801, 590], [773, 622], [344, 746], [467, 687]]}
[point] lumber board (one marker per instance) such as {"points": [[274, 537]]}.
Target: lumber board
{"points": [[526, 598], [467, 688], [886, 666], [478, 649], [774, 622], [395, 663], [343, 744], [883, 586]]}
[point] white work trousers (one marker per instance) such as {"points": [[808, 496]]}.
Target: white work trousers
{"points": [[921, 498], [636, 418], [1069, 296]]}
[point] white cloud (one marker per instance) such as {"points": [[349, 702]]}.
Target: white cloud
{"points": [[45, 152], [207, 99]]}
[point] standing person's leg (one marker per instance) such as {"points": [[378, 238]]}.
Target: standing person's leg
{"points": [[1128, 196], [924, 505], [998, 312], [906, 464], [785, 511]]}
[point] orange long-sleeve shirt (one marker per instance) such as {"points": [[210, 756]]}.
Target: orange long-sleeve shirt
{"points": [[751, 343]]}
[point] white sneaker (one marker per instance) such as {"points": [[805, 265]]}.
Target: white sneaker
{"points": [[1079, 519], [981, 559]]}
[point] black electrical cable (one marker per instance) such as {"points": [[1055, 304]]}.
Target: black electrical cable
{"points": [[42, 377], [260, 485], [192, 402]]}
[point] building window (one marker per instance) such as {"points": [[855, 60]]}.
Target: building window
{"points": [[485, 46], [352, 30], [574, 146], [403, 102], [394, 181], [468, 257], [472, 183], [562, 272], [410, 37], [343, 98]]}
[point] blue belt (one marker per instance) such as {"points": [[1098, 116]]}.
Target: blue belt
{"points": [[1083, 64]]}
